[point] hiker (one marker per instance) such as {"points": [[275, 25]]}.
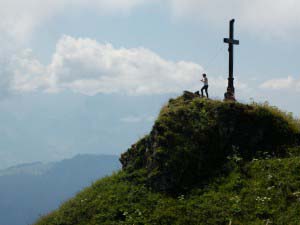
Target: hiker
{"points": [[205, 87]]}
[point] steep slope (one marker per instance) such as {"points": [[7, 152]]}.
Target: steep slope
{"points": [[205, 162], [192, 139]]}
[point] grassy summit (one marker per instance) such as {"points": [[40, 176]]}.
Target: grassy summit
{"points": [[193, 138], [204, 162]]}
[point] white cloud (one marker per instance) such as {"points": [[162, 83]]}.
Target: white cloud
{"points": [[88, 67], [28, 73], [263, 17], [85, 66], [288, 83]]}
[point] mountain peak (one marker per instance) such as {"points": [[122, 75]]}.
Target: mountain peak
{"points": [[193, 137]]}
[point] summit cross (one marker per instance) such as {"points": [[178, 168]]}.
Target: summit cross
{"points": [[230, 94]]}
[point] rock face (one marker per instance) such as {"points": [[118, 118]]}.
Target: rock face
{"points": [[192, 139]]}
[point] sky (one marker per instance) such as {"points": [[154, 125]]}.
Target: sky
{"points": [[123, 59]]}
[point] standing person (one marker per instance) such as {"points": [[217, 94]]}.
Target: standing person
{"points": [[205, 87]]}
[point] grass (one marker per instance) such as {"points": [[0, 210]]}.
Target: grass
{"points": [[257, 192]]}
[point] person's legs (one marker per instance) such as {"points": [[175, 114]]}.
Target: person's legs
{"points": [[206, 91], [202, 89]]}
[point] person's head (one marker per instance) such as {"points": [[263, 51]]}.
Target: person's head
{"points": [[204, 75]]}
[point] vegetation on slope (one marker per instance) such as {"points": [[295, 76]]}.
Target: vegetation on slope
{"points": [[192, 139], [260, 191], [205, 162]]}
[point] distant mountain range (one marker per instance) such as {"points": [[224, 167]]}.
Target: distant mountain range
{"points": [[30, 190], [42, 127], [36, 168]]}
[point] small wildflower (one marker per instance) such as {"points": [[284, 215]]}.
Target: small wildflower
{"points": [[262, 199]]}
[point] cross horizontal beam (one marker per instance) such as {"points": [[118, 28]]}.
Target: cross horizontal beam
{"points": [[231, 41]]}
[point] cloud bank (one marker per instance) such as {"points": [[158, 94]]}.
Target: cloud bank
{"points": [[88, 67], [289, 83]]}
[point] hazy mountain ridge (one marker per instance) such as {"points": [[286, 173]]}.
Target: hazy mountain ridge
{"points": [[42, 127], [36, 168], [30, 190]]}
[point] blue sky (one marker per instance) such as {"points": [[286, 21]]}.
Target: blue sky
{"points": [[61, 54]]}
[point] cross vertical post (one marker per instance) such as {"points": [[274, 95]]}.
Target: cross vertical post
{"points": [[230, 94]]}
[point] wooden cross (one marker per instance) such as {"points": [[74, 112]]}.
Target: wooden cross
{"points": [[230, 94]]}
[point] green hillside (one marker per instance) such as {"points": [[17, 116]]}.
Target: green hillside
{"points": [[204, 162]]}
